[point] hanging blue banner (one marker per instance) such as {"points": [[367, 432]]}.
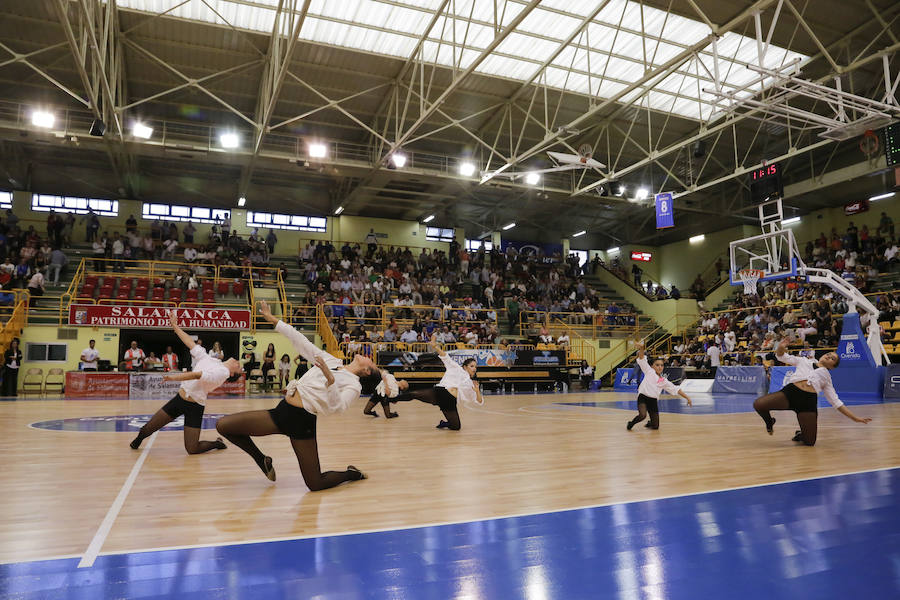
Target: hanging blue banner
{"points": [[665, 212]]}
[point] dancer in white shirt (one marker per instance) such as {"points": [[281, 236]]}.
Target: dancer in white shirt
{"points": [[208, 373], [651, 387], [456, 384], [329, 388], [389, 388], [799, 394]]}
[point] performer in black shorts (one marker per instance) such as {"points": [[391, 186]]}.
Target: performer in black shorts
{"points": [[208, 373], [328, 388], [456, 384], [800, 391], [651, 387], [386, 389]]}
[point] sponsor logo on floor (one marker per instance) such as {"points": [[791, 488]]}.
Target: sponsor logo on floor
{"points": [[118, 423]]}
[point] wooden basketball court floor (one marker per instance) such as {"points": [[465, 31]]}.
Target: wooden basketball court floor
{"points": [[538, 496]]}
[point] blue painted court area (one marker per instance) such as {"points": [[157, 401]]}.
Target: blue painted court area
{"points": [[708, 404], [836, 537]]}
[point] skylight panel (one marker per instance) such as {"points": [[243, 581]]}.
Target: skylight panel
{"points": [[393, 28]]}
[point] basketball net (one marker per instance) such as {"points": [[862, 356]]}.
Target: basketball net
{"points": [[750, 277]]}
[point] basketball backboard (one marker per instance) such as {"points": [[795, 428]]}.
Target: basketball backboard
{"points": [[774, 253]]}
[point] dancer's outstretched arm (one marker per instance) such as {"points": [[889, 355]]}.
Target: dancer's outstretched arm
{"points": [[185, 338]]}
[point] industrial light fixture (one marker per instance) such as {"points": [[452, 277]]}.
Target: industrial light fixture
{"points": [[229, 140], [697, 239], [399, 159], [613, 250], [580, 233], [466, 169], [317, 150], [428, 219], [510, 226], [532, 178], [242, 201], [881, 196], [641, 194], [41, 118], [616, 188], [790, 221], [139, 130], [339, 210]]}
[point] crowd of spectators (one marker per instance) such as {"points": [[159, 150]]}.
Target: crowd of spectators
{"points": [[459, 294]]}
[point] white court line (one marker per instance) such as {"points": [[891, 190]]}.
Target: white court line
{"points": [[93, 549], [482, 519]]}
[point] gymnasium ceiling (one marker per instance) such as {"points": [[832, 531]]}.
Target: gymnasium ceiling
{"points": [[497, 83]]}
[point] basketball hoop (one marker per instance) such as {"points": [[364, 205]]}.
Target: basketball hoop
{"points": [[750, 277]]}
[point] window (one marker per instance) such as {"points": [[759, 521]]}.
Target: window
{"points": [[475, 245], [80, 206], [47, 352], [5, 200], [436, 234], [292, 222], [196, 214]]}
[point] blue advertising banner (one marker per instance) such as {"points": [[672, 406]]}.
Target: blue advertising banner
{"points": [[850, 380], [777, 376], [853, 349], [892, 381], [741, 380], [665, 212], [533, 248], [627, 379]]}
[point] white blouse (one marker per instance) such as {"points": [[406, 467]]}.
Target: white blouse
{"points": [[819, 379], [319, 397], [457, 377], [393, 389], [212, 374], [653, 385]]}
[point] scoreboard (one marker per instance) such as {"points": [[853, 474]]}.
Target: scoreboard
{"points": [[891, 135], [765, 183]]}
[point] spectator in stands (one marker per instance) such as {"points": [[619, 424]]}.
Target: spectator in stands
{"points": [[636, 273], [563, 340], [89, 357], [886, 226], [12, 360], [409, 336], [35, 287], [586, 372], [189, 231], [99, 249], [190, 254], [92, 225], [675, 294], [271, 240], [371, 242], [152, 363], [58, 262], [170, 360], [118, 253], [131, 224], [713, 353], [7, 273], [268, 365], [170, 246], [134, 357], [217, 351]]}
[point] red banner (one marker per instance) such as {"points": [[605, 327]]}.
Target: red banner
{"points": [[96, 385], [230, 388], [152, 317], [856, 207]]}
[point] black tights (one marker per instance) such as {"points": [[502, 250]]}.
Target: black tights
{"points": [[808, 421], [430, 396], [238, 428], [642, 414], [385, 406], [192, 442]]}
